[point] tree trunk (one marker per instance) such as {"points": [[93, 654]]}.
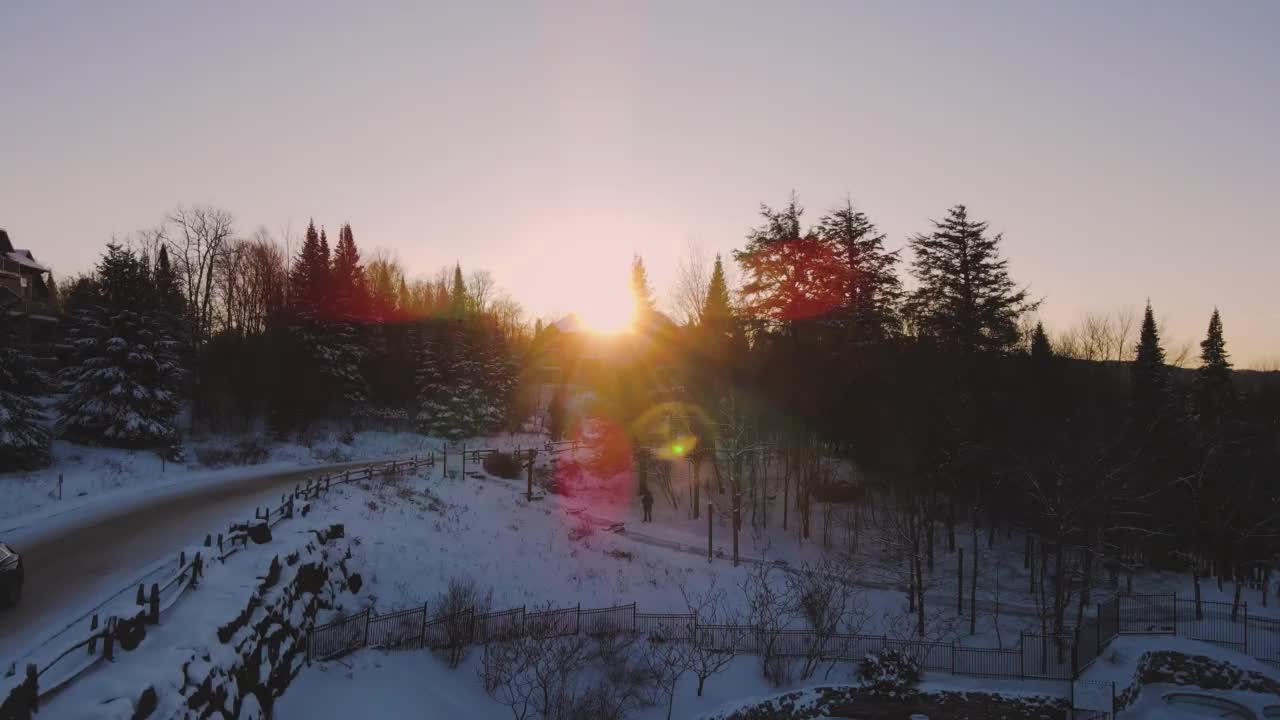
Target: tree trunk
{"points": [[697, 490], [1086, 586], [1031, 566], [1059, 591], [973, 587], [951, 524], [929, 547], [1026, 553], [1195, 582], [1235, 601], [960, 582], [786, 487]]}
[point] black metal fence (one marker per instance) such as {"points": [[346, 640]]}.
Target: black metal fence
{"points": [[414, 628]]}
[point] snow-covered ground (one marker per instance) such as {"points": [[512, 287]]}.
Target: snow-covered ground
{"points": [[413, 534], [94, 475]]}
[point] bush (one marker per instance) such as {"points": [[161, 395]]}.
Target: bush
{"points": [[251, 450], [504, 465], [891, 673]]}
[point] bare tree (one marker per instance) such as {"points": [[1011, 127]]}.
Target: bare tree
{"points": [[665, 660], [481, 288], [202, 234], [719, 632], [768, 611], [693, 276], [826, 595], [537, 674]]}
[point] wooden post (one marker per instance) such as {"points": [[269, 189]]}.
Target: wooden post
{"points": [[93, 634], [59, 486]]}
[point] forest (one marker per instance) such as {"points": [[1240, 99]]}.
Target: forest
{"points": [[923, 366]]}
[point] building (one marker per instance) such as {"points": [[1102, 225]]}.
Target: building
{"points": [[26, 295]]}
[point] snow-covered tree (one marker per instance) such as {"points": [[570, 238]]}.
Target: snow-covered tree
{"points": [[24, 441], [121, 384]]}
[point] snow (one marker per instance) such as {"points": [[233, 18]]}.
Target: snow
{"points": [[101, 479], [411, 535]]}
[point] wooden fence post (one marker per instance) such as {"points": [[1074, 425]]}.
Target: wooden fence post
{"points": [[93, 634]]}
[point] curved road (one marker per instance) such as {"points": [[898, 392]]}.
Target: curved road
{"points": [[70, 571]]}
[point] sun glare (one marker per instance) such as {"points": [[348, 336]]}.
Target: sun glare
{"points": [[607, 319]]}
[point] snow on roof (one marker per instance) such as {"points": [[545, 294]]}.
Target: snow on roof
{"points": [[26, 259], [570, 323]]}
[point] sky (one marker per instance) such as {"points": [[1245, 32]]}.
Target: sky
{"points": [[1126, 150]]}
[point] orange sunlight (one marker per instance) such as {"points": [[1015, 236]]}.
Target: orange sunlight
{"points": [[608, 316]]}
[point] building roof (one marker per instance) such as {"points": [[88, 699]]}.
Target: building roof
{"points": [[27, 260], [18, 257]]}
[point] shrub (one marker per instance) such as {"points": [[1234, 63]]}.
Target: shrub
{"points": [[891, 673], [503, 465], [250, 450]]}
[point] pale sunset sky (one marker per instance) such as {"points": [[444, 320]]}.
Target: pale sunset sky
{"points": [[1126, 149]]}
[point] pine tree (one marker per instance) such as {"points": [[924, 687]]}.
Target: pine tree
{"points": [[1149, 373], [873, 290], [965, 299], [121, 385], [430, 383], [24, 441], [641, 292], [309, 275], [1041, 348], [458, 301], [347, 277], [717, 310], [791, 275], [168, 291], [1214, 389]]}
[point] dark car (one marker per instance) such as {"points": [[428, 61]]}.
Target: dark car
{"points": [[11, 576]]}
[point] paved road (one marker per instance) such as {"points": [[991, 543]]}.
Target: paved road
{"points": [[69, 572]]}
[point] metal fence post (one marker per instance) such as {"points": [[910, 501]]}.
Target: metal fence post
{"points": [[366, 627], [1022, 655]]}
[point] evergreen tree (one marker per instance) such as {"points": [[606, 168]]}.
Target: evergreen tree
{"points": [[458, 301], [168, 290], [965, 299], [347, 277], [309, 275], [1214, 390], [873, 290], [121, 384], [1149, 373], [24, 441], [641, 292], [431, 383], [791, 275], [1041, 348], [717, 311]]}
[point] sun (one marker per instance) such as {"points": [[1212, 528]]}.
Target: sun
{"points": [[607, 318]]}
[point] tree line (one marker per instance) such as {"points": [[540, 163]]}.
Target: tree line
{"points": [[960, 409], [245, 335]]}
